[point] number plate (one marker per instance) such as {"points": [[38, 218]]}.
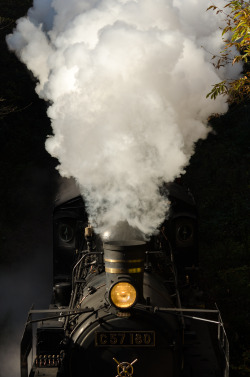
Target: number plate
{"points": [[125, 338]]}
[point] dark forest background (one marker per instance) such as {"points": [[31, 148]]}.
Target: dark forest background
{"points": [[218, 176]]}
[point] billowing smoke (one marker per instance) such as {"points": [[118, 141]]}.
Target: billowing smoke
{"points": [[127, 82]]}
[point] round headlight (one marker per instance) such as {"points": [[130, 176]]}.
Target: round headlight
{"points": [[123, 295]]}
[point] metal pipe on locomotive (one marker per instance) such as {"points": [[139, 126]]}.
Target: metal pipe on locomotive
{"points": [[122, 308]]}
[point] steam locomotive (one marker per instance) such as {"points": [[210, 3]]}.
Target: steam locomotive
{"points": [[125, 307]]}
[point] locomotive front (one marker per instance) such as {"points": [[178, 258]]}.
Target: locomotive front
{"points": [[117, 306], [122, 336]]}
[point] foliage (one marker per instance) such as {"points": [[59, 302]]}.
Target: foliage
{"points": [[9, 12], [5, 109], [243, 369], [238, 27]]}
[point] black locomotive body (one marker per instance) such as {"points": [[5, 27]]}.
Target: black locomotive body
{"points": [[117, 304]]}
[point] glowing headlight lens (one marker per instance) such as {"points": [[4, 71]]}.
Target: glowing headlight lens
{"points": [[123, 295]]}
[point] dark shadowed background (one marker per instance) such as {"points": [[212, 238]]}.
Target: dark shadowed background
{"points": [[28, 182], [218, 176]]}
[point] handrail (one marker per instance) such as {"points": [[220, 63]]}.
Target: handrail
{"points": [[224, 344], [221, 332], [26, 347], [63, 313]]}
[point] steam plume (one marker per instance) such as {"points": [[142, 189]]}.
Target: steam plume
{"points": [[127, 81]]}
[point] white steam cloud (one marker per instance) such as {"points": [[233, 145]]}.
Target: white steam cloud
{"points": [[127, 81]]}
